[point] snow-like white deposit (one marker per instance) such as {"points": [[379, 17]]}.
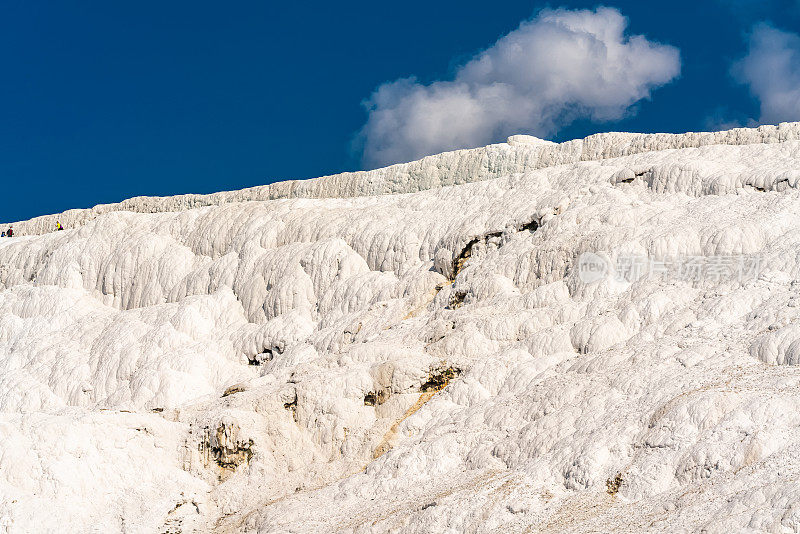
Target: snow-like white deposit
{"points": [[419, 348]]}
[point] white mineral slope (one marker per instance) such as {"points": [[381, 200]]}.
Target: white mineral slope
{"points": [[521, 153], [417, 358]]}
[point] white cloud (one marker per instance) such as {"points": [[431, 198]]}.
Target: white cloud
{"points": [[772, 70], [723, 118], [561, 66]]}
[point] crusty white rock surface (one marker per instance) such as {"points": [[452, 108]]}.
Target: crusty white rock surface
{"points": [[414, 349]]}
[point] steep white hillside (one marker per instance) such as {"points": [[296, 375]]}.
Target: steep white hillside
{"points": [[600, 335], [522, 153]]}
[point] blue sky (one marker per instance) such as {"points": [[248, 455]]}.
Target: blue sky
{"points": [[106, 100]]}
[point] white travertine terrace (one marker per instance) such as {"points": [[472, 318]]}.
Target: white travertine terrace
{"points": [[522, 153], [413, 348]]}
